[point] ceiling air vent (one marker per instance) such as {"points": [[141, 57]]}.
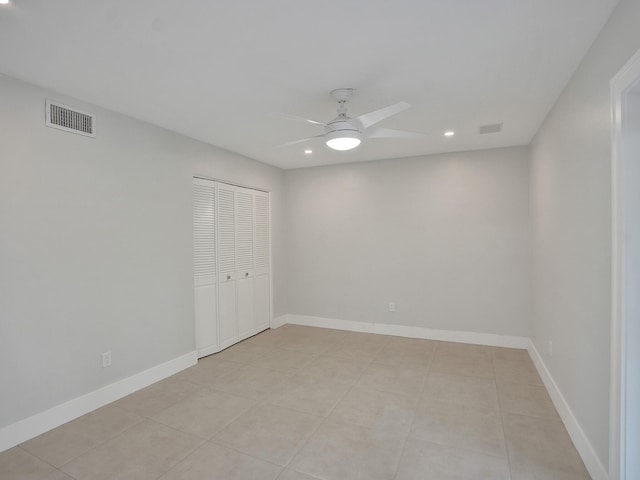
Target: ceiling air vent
{"points": [[494, 128], [70, 119]]}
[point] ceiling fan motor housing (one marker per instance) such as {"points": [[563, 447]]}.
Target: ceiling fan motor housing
{"points": [[342, 124]]}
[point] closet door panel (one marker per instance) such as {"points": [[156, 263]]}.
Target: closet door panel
{"points": [[261, 303], [206, 310], [204, 266], [226, 232], [244, 233], [261, 235], [246, 322], [227, 314], [227, 320]]}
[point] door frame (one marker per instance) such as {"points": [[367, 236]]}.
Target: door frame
{"points": [[627, 78]]}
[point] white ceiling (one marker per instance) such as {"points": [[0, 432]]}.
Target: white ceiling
{"points": [[218, 70]]}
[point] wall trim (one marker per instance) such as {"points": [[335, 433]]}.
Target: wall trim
{"points": [[588, 454], [620, 285], [489, 339], [42, 422]]}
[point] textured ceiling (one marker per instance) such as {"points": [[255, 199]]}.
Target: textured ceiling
{"points": [[219, 71]]}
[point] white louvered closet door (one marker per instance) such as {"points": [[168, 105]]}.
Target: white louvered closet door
{"points": [[227, 312], [261, 215], [204, 266], [261, 291], [244, 261]]}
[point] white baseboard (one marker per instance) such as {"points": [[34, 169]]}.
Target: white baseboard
{"points": [[404, 331], [585, 449], [30, 427]]}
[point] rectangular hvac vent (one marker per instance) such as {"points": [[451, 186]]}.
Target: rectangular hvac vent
{"points": [[70, 119], [494, 128]]}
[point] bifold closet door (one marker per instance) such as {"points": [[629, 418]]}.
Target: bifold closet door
{"points": [[244, 262], [204, 266], [227, 307], [231, 264], [261, 291]]}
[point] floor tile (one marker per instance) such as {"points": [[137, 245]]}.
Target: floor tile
{"points": [[68, 441], [336, 369], [311, 345], [511, 354], [268, 338], [338, 451], [459, 426], [358, 345], [393, 378], [455, 364], [288, 474], [424, 460], [383, 411], [155, 398], [406, 352], [474, 392], [249, 381], [538, 474], [143, 452], [243, 352], [270, 433], [207, 371], [523, 399], [17, 464], [407, 343], [516, 372], [213, 461], [308, 394], [306, 403], [540, 443], [204, 413], [288, 361], [464, 350]]}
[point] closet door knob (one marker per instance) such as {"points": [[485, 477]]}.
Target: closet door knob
{"points": [[228, 277]]}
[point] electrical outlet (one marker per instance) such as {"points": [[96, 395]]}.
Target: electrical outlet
{"points": [[106, 359], [550, 348], [392, 307]]}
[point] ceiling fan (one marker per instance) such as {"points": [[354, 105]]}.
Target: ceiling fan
{"points": [[346, 133]]}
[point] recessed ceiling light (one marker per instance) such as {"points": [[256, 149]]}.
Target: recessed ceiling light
{"points": [[4, 2], [449, 133], [308, 151]]}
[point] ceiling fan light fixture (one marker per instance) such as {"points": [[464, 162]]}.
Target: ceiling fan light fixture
{"points": [[343, 139]]}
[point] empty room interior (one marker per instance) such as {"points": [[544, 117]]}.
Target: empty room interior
{"points": [[356, 240]]}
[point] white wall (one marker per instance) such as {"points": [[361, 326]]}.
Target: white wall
{"points": [[571, 228], [96, 249], [445, 237]]}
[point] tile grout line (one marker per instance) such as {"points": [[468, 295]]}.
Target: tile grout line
{"points": [[99, 444]]}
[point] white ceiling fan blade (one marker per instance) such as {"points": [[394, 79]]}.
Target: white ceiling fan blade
{"points": [[301, 119], [377, 132], [376, 116], [302, 140]]}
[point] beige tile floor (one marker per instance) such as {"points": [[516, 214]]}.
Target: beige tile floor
{"points": [[302, 403]]}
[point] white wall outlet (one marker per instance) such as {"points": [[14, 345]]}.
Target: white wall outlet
{"points": [[392, 307], [550, 348], [106, 359]]}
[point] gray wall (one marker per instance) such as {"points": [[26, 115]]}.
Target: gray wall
{"points": [[95, 248], [571, 228], [445, 237]]}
